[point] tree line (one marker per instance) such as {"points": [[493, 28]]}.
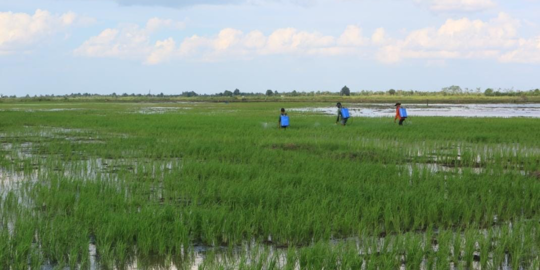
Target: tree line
{"points": [[453, 90]]}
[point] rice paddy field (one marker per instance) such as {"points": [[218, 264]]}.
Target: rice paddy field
{"points": [[219, 186]]}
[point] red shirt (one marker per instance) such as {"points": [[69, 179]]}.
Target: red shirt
{"points": [[397, 113]]}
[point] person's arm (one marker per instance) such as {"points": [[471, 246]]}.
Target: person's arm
{"points": [[397, 114], [279, 122], [338, 115]]}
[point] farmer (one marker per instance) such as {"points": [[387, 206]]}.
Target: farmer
{"points": [[283, 119], [343, 114], [398, 115]]}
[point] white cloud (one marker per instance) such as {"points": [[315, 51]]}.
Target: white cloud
{"points": [[458, 5], [234, 43], [434, 5], [290, 40], [190, 3], [255, 40], [134, 42], [379, 37], [175, 3], [156, 24], [130, 42], [464, 38], [20, 31], [352, 37], [528, 51], [161, 51], [226, 39]]}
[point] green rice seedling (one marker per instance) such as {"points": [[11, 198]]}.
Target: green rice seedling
{"points": [[120, 253], [456, 248], [444, 241], [485, 248], [501, 247], [470, 243], [350, 258], [5, 254], [291, 259], [161, 183], [535, 263], [415, 252]]}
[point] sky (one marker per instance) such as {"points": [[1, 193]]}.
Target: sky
{"points": [[208, 46]]}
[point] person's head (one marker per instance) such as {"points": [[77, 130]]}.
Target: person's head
{"points": [[397, 104], [338, 105], [282, 110]]}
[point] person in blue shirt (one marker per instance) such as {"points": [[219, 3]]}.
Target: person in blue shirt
{"points": [[283, 119], [343, 121]]}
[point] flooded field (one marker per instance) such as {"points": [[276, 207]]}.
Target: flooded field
{"points": [[442, 110], [206, 186]]}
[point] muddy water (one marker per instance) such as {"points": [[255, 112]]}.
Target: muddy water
{"points": [[445, 110], [160, 110]]}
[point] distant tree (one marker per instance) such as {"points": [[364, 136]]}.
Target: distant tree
{"points": [[489, 92], [345, 91], [191, 94], [276, 92], [452, 90], [392, 92], [294, 93], [269, 92], [236, 92], [478, 90], [228, 93]]}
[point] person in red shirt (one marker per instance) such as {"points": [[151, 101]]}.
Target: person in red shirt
{"points": [[398, 115]]}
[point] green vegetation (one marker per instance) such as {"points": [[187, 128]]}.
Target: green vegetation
{"points": [[162, 184], [270, 96], [452, 94]]}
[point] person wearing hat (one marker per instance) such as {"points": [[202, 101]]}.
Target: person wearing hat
{"points": [[341, 116], [398, 114]]}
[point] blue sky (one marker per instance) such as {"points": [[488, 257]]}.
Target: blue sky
{"points": [[208, 46]]}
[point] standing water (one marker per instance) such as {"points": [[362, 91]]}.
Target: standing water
{"points": [[445, 110]]}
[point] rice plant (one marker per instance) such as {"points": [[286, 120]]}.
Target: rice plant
{"points": [[207, 185]]}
